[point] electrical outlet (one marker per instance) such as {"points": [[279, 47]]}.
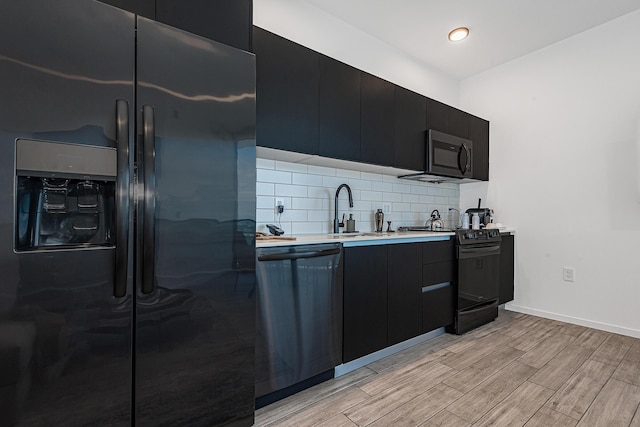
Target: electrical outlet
{"points": [[568, 274], [386, 207], [279, 206]]}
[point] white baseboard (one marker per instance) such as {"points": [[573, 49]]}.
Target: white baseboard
{"points": [[574, 320]]}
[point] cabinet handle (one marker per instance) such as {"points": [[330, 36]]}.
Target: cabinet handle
{"points": [[298, 255]]}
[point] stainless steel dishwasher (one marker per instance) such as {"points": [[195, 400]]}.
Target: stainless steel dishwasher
{"points": [[299, 318]]}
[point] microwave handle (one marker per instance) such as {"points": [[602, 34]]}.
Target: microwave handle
{"points": [[467, 159]]}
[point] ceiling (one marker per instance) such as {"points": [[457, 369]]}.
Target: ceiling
{"points": [[500, 30]]}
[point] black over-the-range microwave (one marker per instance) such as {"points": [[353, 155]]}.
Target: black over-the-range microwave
{"points": [[449, 155]]}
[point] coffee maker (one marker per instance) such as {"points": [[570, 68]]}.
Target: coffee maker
{"points": [[485, 214]]}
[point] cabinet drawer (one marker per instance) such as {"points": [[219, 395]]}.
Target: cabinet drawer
{"points": [[438, 251], [437, 306], [438, 272]]}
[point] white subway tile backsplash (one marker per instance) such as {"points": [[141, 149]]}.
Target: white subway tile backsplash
{"points": [[265, 215], [265, 202], [291, 190], [306, 179], [291, 167], [344, 173], [371, 176], [306, 203], [308, 194], [277, 177], [332, 181], [401, 188], [265, 189], [321, 170], [391, 197], [410, 198], [291, 215], [265, 164], [375, 196]]}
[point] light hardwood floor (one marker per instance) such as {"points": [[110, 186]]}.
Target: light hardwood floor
{"points": [[519, 370]]}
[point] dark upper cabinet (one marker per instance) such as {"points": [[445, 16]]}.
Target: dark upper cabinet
{"points": [[376, 120], [479, 134], [146, 8], [365, 301], [506, 269], [226, 21], [404, 283], [287, 85], [339, 115], [447, 119], [410, 123]]}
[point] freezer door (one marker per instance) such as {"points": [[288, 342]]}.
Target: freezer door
{"points": [[65, 338], [196, 229]]}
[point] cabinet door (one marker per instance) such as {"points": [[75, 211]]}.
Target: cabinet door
{"points": [[447, 119], [339, 120], [443, 250], [506, 269], [437, 307], [225, 21], [146, 8], [365, 301], [404, 287], [287, 79], [376, 120], [410, 123], [479, 134]]}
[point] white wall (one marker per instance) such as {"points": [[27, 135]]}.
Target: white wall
{"points": [[309, 26], [565, 153]]}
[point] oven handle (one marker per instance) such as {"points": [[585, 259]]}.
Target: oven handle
{"points": [[467, 252]]}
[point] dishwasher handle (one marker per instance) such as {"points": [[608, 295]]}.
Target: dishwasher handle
{"points": [[298, 255]]}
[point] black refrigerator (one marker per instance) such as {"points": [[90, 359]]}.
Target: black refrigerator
{"points": [[127, 221]]}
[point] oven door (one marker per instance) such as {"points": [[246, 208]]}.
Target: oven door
{"points": [[478, 274], [449, 155]]}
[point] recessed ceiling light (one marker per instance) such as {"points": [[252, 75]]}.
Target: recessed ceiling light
{"points": [[458, 34]]}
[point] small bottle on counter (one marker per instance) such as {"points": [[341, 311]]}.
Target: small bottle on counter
{"points": [[379, 217], [351, 224], [475, 221], [465, 221]]}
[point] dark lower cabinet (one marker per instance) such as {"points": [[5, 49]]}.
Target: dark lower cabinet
{"points": [[376, 127], [479, 134], [437, 306], [391, 294], [438, 281], [506, 269], [404, 278], [339, 115], [365, 301], [287, 83], [410, 124]]}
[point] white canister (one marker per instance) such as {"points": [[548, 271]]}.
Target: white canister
{"points": [[465, 221], [475, 221]]}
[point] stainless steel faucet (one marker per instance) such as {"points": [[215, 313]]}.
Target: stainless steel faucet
{"points": [[336, 222]]}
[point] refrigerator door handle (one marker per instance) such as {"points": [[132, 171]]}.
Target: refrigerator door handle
{"points": [[149, 207], [122, 198]]}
